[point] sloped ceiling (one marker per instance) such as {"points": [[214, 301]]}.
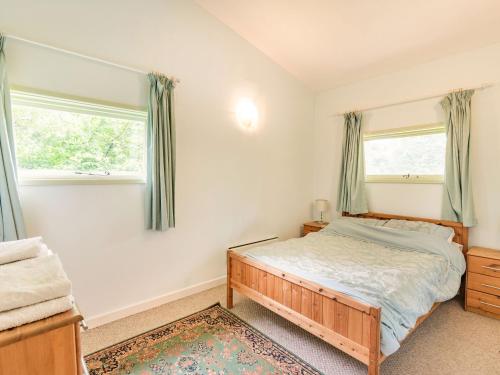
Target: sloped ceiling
{"points": [[327, 43]]}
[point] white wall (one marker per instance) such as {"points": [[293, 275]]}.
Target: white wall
{"points": [[231, 184], [465, 70]]}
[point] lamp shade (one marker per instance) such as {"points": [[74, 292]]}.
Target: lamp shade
{"points": [[321, 205]]}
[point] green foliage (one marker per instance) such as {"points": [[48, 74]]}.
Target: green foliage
{"points": [[416, 155], [65, 141]]}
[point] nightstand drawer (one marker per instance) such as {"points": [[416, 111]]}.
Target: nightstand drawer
{"points": [[484, 266], [313, 226], [483, 283], [308, 229], [484, 302]]}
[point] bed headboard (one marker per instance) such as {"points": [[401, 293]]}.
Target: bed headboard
{"points": [[461, 232]]}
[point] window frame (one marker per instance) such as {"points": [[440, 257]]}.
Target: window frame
{"points": [[409, 131], [46, 100]]}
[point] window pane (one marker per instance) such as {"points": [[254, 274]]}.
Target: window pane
{"points": [[61, 143], [414, 155]]}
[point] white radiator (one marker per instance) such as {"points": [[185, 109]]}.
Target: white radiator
{"points": [[245, 245]]}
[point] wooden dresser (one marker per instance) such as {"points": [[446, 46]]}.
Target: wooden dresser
{"points": [[49, 346], [313, 226], [483, 282]]}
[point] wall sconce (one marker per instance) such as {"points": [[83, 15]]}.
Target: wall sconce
{"points": [[246, 113]]}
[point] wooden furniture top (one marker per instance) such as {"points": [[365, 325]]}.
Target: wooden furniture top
{"points": [[25, 331], [484, 252], [316, 224], [461, 232]]}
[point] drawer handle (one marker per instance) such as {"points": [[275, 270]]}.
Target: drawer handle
{"points": [[489, 304], [491, 286], [492, 267]]}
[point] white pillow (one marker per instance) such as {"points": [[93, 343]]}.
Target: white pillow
{"points": [[460, 247], [366, 221], [446, 233]]}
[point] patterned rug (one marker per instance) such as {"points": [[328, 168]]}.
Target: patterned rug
{"points": [[213, 341]]}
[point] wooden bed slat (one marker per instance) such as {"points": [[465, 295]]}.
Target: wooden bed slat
{"points": [[355, 326], [262, 282], [296, 297], [287, 293], [270, 286], [255, 278], [306, 303], [317, 308], [237, 267], [341, 318], [366, 330], [328, 313], [278, 290]]}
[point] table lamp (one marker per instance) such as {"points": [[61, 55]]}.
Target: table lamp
{"points": [[321, 205]]}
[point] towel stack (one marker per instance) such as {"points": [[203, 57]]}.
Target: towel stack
{"points": [[33, 284]]}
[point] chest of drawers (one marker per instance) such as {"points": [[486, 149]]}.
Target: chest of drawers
{"points": [[483, 282]]}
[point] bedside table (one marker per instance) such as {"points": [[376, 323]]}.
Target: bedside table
{"points": [[313, 226], [483, 282]]}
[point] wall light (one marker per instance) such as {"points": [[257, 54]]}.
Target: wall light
{"points": [[246, 113]]}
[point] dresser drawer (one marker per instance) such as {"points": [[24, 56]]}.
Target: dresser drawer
{"points": [[484, 302], [483, 283], [484, 266]]}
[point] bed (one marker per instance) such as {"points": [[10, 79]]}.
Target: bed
{"points": [[341, 315]]}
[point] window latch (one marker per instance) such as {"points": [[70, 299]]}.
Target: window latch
{"points": [[106, 173]]}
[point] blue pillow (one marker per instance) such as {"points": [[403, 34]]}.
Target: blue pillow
{"points": [[423, 227]]}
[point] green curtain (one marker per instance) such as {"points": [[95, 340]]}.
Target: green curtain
{"points": [[351, 195], [11, 216], [160, 186], [458, 204]]}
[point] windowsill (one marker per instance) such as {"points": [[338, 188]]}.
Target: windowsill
{"points": [[86, 180], [403, 180]]}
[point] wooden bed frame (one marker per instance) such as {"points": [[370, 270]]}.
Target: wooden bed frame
{"points": [[340, 320]]}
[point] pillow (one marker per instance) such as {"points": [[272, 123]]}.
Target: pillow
{"points": [[366, 221], [423, 227], [460, 247]]}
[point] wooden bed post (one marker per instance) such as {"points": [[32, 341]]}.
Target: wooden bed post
{"points": [[374, 354], [229, 292]]}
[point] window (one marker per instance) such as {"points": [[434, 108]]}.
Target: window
{"points": [[414, 155], [60, 139]]}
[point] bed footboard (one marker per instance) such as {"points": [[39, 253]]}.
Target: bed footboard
{"points": [[336, 318]]}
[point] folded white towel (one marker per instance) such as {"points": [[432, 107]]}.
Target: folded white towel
{"points": [[12, 251], [31, 313], [32, 281]]}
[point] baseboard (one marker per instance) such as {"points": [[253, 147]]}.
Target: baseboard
{"points": [[101, 319]]}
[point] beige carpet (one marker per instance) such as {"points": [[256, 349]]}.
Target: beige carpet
{"points": [[451, 341]]}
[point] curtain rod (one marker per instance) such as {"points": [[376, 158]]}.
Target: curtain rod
{"points": [[482, 87], [81, 55]]}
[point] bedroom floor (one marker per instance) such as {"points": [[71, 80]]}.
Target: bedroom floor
{"points": [[451, 341]]}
